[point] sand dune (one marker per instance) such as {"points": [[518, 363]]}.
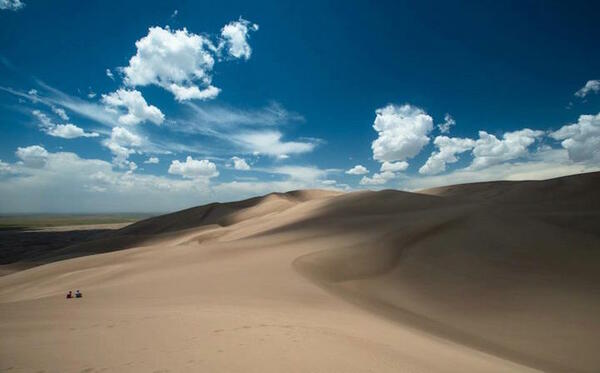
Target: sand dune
{"points": [[486, 277]]}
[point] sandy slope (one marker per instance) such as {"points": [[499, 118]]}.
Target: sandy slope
{"points": [[474, 278]]}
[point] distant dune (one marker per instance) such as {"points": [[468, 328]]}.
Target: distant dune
{"points": [[484, 277]]}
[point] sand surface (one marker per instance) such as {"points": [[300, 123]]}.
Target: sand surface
{"points": [[488, 277]]}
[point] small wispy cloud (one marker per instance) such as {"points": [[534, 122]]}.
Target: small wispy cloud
{"points": [[66, 130], [274, 114], [271, 143], [449, 122], [87, 109], [52, 97], [250, 131], [591, 86]]}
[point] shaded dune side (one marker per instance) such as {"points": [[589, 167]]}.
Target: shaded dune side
{"points": [[508, 280], [361, 212], [571, 202], [574, 191]]}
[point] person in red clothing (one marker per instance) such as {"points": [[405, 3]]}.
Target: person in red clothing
{"points": [[69, 294]]}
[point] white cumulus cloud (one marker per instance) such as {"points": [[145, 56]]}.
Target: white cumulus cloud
{"points": [[33, 156], [358, 170], [182, 62], [123, 136], [178, 61], [387, 172], [403, 132], [394, 166], [193, 92], [448, 148], [194, 169], [122, 144], [152, 160], [66, 131], [69, 131], [449, 122], [378, 178], [235, 38], [4, 167], [581, 139], [240, 163], [137, 108], [543, 163], [489, 150]]}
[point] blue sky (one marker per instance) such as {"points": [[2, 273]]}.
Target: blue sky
{"points": [[134, 106]]}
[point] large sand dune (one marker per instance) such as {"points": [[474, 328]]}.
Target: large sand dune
{"points": [[487, 277]]}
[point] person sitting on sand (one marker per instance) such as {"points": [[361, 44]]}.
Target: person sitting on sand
{"points": [[69, 294], [78, 294]]}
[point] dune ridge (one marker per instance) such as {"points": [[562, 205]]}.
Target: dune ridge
{"points": [[498, 276]]}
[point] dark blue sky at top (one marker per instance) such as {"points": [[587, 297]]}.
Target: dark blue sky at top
{"points": [[493, 65]]}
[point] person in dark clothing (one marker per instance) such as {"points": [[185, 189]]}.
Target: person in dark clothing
{"points": [[78, 294]]}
